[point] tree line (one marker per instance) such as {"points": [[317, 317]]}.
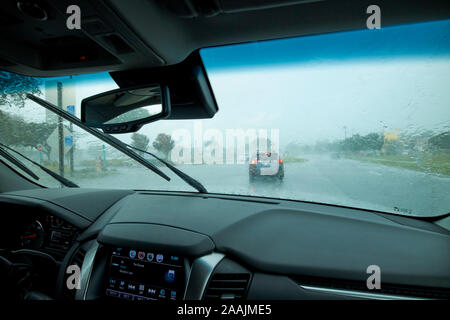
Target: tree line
{"points": [[377, 142], [163, 143]]}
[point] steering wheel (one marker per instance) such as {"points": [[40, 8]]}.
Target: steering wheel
{"points": [[18, 269], [15, 278]]}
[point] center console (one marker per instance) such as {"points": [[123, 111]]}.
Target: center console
{"points": [[144, 274], [137, 262]]}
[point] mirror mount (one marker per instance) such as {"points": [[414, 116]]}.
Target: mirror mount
{"points": [[126, 110]]}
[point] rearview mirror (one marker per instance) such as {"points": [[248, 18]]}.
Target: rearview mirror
{"points": [[126, 110]]}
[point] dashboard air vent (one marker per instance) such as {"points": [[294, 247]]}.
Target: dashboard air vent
{"points": [[78, 257], [386, 288], [227, 286]]}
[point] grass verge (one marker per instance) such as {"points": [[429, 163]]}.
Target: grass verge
{"points": [[428, 163], [294, 160]]}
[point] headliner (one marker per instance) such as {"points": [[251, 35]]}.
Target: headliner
{"points": [[119, 35]]}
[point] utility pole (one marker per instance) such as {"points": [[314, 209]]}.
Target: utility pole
{"points": [[60, 131], [71, 150], [104, 156], [72, 147]]}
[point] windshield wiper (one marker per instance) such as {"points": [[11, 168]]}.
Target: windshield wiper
{"points": [[104, 137], [188, 179], [14, 160], [184, 176], [18, 163], [122, 146]]}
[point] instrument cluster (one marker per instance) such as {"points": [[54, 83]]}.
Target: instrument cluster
{"points": [[48, 233]]}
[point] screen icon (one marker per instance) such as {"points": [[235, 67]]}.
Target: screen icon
{"points": [[126, 296], [170, 276], [150, 256], [173, 294], [141, 255], [162, 292], [159, 258], [132, 254]]}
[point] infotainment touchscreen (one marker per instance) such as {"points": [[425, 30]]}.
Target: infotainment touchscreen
{"points": [[138, 274]]}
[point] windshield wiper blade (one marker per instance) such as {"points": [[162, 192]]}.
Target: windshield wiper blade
{"points": [[188, 179], [104, 137], [18, 163], [185, 177], [56, 176]]}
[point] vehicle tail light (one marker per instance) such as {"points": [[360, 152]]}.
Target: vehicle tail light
{"points": [[280, 161], [253, 162]]}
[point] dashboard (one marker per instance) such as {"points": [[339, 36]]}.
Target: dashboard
{"points": [[151, 245]]}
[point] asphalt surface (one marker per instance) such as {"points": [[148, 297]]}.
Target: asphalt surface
{"points": [[320, 179]]}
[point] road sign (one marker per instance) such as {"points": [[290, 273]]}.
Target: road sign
{"points": [[68, 141], [71, 109], [39, 147], [53, 142]]}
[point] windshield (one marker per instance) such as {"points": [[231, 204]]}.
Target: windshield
{"points": [[358, 119]]}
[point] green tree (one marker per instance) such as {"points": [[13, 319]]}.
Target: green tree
{"points": [[13, 88], [15, 131], [140, 141], [164, 144], [355, 143], [373, 141], [440, 141]]}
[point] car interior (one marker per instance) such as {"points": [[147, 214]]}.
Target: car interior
{"points": [[97, 243]]}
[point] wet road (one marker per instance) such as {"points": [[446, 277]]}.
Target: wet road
{"points": [[320, 179]]}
